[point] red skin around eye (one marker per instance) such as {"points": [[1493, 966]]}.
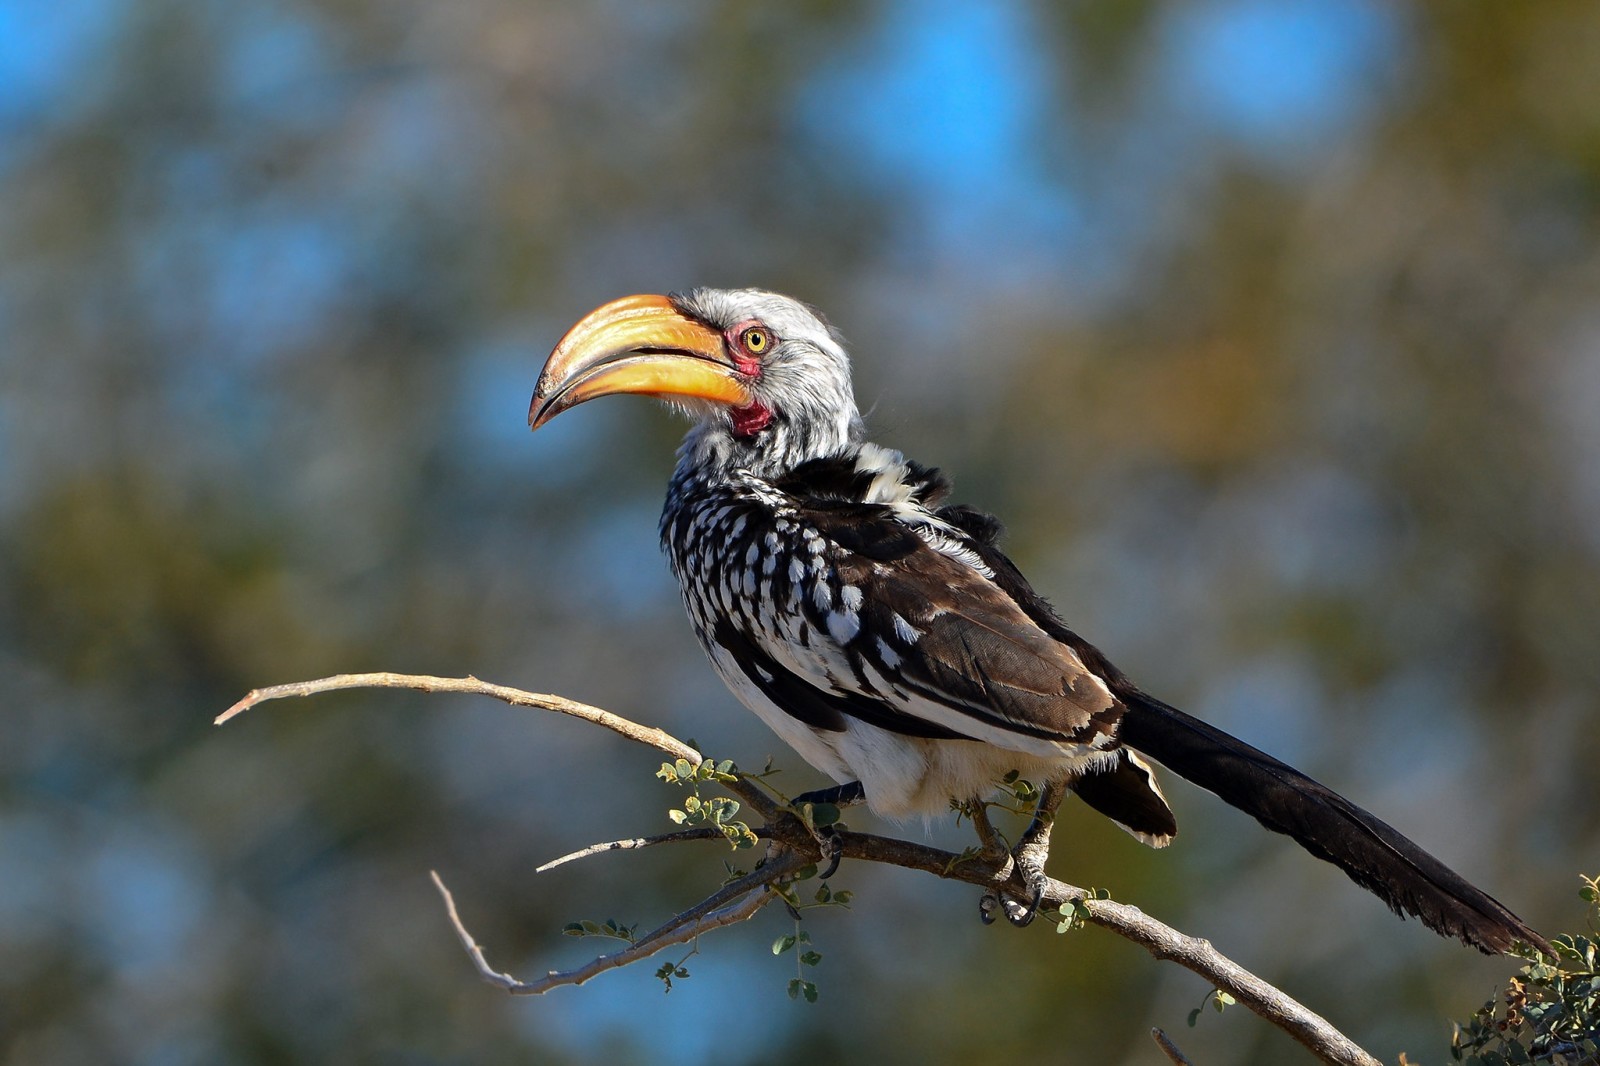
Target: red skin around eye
{"points": [[751, 419], [747, 363]]}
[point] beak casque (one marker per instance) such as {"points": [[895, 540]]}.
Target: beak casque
{"points": [[639, 344]]}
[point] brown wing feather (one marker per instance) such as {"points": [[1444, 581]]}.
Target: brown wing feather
{"points": [[976, 650]]}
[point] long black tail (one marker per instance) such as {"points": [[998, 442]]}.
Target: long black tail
{"points": [[1323, 822]]}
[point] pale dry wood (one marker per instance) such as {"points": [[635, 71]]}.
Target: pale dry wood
{"points": [[795, 847], [1169, 1049], [649, 736], [735, 902], [703, 833]]}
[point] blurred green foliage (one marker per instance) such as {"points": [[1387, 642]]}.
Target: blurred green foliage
{"points": [[1271, 329], [1548, 1013]]}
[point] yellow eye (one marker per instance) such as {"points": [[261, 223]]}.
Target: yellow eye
{"points": [[755, 340]]}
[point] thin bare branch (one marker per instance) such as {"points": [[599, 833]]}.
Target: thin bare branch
{"points": [[777, 868], [1197, 955], [705, 832], [742, 898], [1159, 939], [1168, 1048], [647, 735], [735, 902], [487, 972]]}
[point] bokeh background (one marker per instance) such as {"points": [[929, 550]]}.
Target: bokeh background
{"points": [[1271, 328]]}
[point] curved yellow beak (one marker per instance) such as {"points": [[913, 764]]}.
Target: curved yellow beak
{"points": [[639, 344]]}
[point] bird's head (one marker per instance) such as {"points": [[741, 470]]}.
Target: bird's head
{"points": [[764, 375]]}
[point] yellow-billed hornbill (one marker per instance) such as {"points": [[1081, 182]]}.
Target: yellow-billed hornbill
{"points": [[882, 634]]}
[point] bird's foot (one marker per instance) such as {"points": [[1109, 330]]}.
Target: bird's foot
{"points": [[994, 850], [819, 811], [832, 849], [1029, 858], [1024, 862]]}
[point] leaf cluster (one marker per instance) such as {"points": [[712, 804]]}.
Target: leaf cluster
{"points": [[1219, 1001], [611, 928], [1074, 914], [1549, 1012], [717, 811]]}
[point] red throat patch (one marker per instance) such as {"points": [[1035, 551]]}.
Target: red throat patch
{"points": [[750, 420]]}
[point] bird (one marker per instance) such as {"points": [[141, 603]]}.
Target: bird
{"points": [[878, 629]]}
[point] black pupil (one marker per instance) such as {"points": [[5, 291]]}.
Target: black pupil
{"points": [[757, 339]]}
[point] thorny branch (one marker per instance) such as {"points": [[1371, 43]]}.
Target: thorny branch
{"points": [[794, 847]]}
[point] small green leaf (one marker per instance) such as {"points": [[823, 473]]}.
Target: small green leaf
{"points": [[811, 958], [823, 814], [1194, 1017], [799, 988], [784, 943]]}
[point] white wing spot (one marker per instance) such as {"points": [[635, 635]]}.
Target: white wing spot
{"points": [[904, 630], [890, 657], [843, 626], [822, 595]]}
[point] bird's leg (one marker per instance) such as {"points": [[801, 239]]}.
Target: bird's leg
{"points": [[995, 848], [1031, 852], [827, 836], [995, 851]]}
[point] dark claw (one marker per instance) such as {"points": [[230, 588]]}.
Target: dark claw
{"points": [[986, 905], [1023, 914], [846, 795], [832, 850], [827, 836]]}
